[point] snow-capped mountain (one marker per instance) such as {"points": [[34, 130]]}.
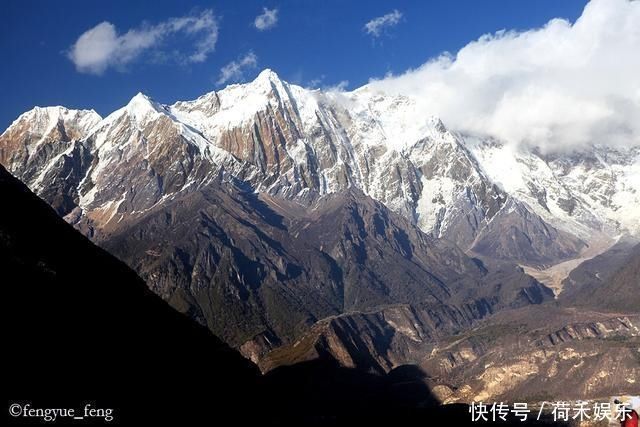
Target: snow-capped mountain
{"points": [[268, 212], [299, 144], [43, 148]]}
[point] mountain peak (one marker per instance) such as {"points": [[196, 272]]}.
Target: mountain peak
{"points": [[267, 81], [141, 100], [267, 75], [141, 106], [41, 120], [57, 111], [436, 123]]}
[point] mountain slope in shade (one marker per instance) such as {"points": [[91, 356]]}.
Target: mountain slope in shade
{"points": [[517, 233], [593, 273], [623, 289], [259, 271], [610, 281], [84, 326]]}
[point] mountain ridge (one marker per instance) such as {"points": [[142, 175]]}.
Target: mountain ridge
{"points": [[306, 142], [241, 171]]}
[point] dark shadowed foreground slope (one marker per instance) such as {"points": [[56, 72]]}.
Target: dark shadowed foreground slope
{"points": [[81, 328]]}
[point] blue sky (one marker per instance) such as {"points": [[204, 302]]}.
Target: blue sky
{"points": [[312, 43]]}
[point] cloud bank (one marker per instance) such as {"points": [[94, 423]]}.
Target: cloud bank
{"points": [[267, 20], [102, 47], [557, 87], [234, 70], [378, 25]]}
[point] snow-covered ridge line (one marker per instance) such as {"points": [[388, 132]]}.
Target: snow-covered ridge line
{"points": [[43, 119], [295, 143]]}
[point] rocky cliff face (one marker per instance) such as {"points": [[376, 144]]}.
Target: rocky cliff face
{"points": [[43, 148], [378, 341], [545, 354]]}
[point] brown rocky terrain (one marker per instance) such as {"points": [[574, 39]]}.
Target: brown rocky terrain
{"points": [[535, 353], [260, 271]]}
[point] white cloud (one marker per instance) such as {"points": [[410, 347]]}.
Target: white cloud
{"points": [[376, 26], [267, 20], [556, 87], [102, 47], [315, 83], [234, 70], [341, 86], [319, 83]]}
